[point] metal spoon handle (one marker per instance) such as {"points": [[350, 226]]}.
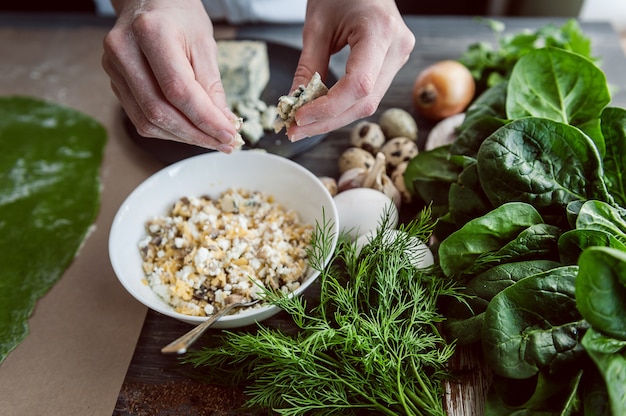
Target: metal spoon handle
{"points": [[180, 345]]}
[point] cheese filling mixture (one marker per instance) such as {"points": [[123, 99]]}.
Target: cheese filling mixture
{"points": [[207, 252]]}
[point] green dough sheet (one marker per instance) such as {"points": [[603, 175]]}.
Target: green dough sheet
{"points": [[50, 158]]}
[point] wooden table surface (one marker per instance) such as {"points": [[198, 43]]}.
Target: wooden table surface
{"points": [[156, 384]]}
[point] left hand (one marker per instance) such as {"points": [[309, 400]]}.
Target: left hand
{"points": [[380, 44]]}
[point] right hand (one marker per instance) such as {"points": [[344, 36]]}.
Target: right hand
{"points": [[161, 57]]}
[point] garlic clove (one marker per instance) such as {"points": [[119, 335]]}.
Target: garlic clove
{"points": [[352, 178]]}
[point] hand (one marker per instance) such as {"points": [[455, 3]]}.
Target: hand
{"points": [[380, 44], [162, 60]]}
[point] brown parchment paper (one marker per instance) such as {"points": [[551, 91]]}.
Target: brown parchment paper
{"points": [[83, 332]]}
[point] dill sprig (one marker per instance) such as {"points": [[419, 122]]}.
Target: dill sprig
{"points": [[371, 344]]}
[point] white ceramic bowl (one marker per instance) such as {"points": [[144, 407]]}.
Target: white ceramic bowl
{"points": [[209, 174]]}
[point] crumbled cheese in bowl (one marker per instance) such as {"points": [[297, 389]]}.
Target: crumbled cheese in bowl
{"points": [[206, 253]]}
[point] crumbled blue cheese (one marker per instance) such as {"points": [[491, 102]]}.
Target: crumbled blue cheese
{"points": [[205, 250], [289, 104]]}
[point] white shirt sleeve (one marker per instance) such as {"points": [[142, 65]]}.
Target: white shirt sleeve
{"points": [[240, 11], [257, 11]]}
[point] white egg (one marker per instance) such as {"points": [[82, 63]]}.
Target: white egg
{"points": [[361, 210], [417, 251]]}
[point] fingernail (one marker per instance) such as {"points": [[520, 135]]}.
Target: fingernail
{"points": [[224, 148], [296, 137], [305, 120]]}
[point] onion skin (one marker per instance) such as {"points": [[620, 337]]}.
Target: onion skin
{"points": [[443, 89]]}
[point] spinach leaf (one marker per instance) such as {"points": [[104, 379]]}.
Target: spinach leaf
{"points": [[534, 325], [544, 394], [537, 242], [485, 234], [593, 130], [430, 173], [540, 162], [555, 84], [598, 215], [613, 124], [573, 242], [482, 288], [464, 331], [484, 116], [601, 290], [466, 199], [464, 318], [609, 355]]}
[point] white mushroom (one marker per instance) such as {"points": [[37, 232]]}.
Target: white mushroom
{"points": [[355, 157], [368, 136], [399, 150], [397, 177], [396, 122], [377, 178]]}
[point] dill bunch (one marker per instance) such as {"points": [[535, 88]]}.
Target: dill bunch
{"points": [[371, 345]]}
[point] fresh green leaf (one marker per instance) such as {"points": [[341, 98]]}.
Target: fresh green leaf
{"points": [[540, 162], [537, 242], [466, 197], [486, 234], [609, 355], [600, 216], [430, 173], [534, 325], [464, 318], [573, 242], [491, 64], [484, 286], [601, 290], [613, 124], [484, 116], [554, 84], [544, 394]]}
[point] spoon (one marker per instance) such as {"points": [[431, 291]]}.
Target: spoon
{"points": [[180, 345]]}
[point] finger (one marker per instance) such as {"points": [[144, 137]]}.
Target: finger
{"points": [[360, 83], [363, 107], [202, 105], [144, 123], [204, 64], [325, 113], [315, 57]]}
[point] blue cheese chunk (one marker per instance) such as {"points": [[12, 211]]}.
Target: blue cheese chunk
{"points": [[245, 71], [289, 104], [244, 68]]}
